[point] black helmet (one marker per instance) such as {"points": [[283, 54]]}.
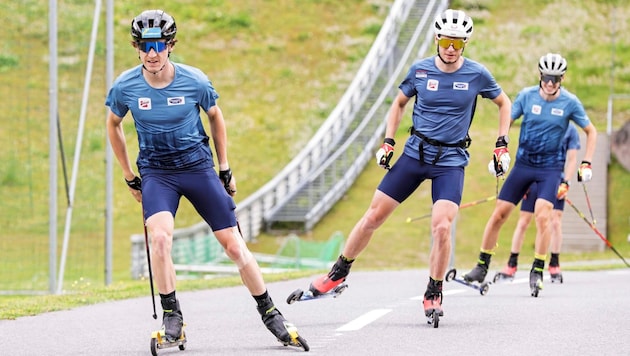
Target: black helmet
{"points": [[154, 24]]}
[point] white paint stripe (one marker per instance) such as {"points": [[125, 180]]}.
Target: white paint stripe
{"points": [[364, 319], [446, 292]]}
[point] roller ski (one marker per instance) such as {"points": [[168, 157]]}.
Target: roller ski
{"points": [[474, 279], [171, 334], [285, 332], [326, 286], [535, 283], [556, 275], [299, 295], [507, 274], [432, 303]]}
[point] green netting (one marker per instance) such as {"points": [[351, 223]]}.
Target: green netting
{"points": [[303, 254]]}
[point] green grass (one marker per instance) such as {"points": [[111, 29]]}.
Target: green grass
{"points": [[279, 74]]}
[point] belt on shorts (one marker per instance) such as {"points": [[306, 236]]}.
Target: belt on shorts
{"points": [[465, 143]]}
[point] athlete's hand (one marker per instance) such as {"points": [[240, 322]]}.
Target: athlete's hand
{"points": [[563, 189], [229, 183], [385, 153], [135, 187], [501, 160], [585, 173]]}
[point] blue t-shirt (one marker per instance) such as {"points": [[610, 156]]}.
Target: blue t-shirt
{"points": [[544, 126], [167, 120], [444, 106]]}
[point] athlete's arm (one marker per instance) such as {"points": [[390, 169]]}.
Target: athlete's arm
{"points": [[219, 136], [119, 145], [591, 140], [395, 114], [505, 107]]}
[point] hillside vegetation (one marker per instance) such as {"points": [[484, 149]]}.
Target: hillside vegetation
{"points": [[279, 67]]}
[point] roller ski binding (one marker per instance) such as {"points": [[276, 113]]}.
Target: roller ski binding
{"points": [[481, 286], [535, 283], [285, 332], [170, 335], [506, 275], [556, 275]]}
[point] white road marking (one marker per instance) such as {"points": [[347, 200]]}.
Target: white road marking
{"points": [[446, 292], [364, 319]]}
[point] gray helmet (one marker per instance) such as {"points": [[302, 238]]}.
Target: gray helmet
{"points": [[453, 23], [153, 24], [552, 64]]}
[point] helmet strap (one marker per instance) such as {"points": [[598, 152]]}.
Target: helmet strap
{"points": [[554, 93]]}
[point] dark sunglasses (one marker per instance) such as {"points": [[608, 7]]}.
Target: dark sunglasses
{"points": [[147, 46], [553, 78]]}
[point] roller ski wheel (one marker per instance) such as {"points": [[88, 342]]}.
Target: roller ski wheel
{"points": [[299, 295], [535, 285], [483, 287], [433, 318], [556, 278], [159, 341], [555, 274], [502, 277], [295, 339]]}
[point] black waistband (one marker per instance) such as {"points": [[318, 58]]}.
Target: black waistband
{"points": [[465, 143]]}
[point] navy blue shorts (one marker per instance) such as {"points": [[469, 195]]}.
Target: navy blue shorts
{"points": [[522, 177], [407, 174], [163, 189], [530, 200]]}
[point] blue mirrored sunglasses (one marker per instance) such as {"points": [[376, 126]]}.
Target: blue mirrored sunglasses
{"points": [[147, 46]]}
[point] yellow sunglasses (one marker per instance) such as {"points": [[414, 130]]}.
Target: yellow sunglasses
{"points": [[457, 43]]}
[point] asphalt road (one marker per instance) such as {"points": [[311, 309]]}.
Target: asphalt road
{"points": [[379, 314]]}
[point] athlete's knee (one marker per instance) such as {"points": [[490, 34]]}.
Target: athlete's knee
{"points": [[161, 243], [238, 252]]}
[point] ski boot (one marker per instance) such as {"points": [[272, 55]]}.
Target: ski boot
{"points": [[507, 274], [433, 308], [535, 282], [172, 332], [284, 331], [334, 278], [556, 274], [477, 274]]}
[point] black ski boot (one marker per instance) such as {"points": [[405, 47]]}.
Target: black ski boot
{"points": [[275, 322], [172, 323], [477, 274]]}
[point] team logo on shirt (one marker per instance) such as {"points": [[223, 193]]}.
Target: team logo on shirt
{"points": [[536, 109], [421, 73], [460, 86], [144, 103], [432, 85], [557, 112], [179, 100]]}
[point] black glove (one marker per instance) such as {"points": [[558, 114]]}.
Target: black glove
{"points": [[226, 178], [135, 183]]}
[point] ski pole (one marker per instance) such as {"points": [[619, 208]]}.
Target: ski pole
{"points": [[463, 206], [588, 202], [146, 243], [601, 236]]}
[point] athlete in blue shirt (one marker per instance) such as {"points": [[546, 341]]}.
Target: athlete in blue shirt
{"points": [[570, 146], [546, 110], [445, 87], [175, 160]]}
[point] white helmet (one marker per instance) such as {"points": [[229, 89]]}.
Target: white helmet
{"points": [[552, 64], [453, 23]]}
